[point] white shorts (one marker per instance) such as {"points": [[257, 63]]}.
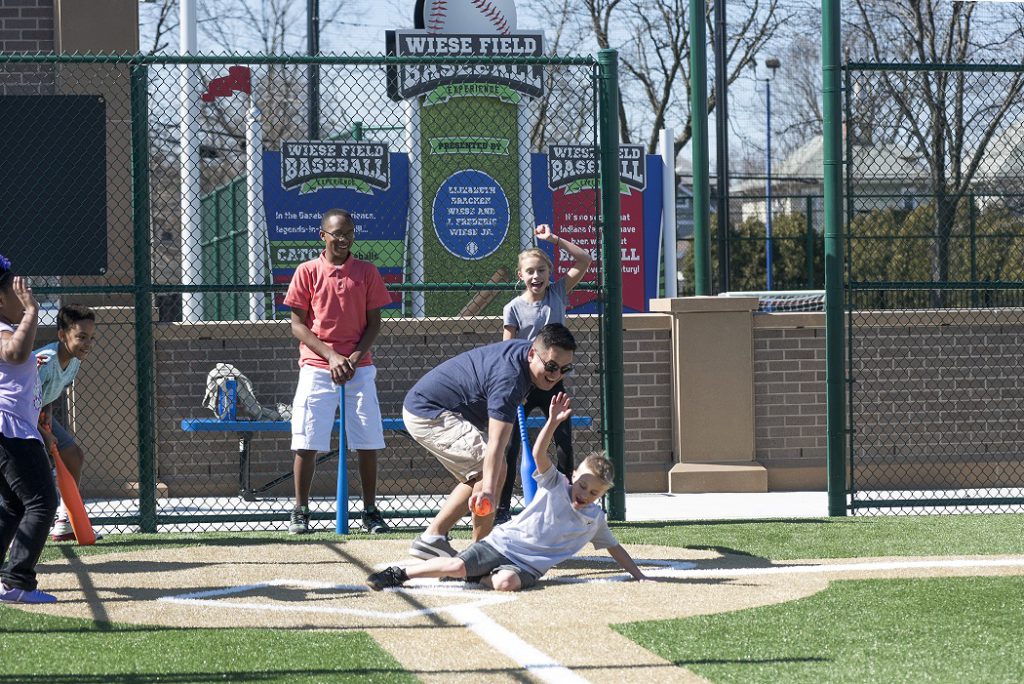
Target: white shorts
{"points": [[315, 409], [455, 442]]}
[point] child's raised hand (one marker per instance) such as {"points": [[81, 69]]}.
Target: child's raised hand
{"points": [[543, 232], [23, 292], [561, 407]]}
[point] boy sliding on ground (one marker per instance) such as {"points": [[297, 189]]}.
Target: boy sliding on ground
{"points": [[560, 520]]}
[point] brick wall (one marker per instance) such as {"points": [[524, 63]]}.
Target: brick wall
{"points": [[647, 360], [193, 464], [789, 391], [26, 26]]}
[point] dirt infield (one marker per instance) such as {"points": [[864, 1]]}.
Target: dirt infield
{"points": [[558, 632]]}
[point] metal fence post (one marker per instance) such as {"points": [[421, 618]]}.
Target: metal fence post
{"points": [[608, 143], [809, 240], [143, 276], [834, 347], [699, 127], [972, 213]]}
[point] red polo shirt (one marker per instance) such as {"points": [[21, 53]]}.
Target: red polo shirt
{"points": [[336, 299]]}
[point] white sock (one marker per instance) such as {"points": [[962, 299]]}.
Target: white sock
{"points": [[431, 537]]}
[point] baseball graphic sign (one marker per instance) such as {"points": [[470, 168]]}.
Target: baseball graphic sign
{"points": [[466, 16]]}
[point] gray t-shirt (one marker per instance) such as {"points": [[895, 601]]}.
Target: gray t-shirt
{"points": [[549, 529], [530, 317], [482, 383]]}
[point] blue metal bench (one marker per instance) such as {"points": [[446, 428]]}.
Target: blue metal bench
{"points": [[246, 428]]}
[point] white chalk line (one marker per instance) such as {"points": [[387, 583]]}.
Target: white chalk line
{"points": [[526, 656], [677, 569]]}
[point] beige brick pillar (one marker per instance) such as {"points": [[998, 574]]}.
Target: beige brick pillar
{"points": [[713, 394]]}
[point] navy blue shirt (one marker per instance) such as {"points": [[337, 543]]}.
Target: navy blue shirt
{"points": [[485, 382]]}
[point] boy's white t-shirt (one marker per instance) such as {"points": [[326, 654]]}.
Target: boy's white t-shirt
{"points": [[550, 530], [52, 378]]}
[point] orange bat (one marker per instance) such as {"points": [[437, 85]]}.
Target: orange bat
{"points": [[80, 523]]}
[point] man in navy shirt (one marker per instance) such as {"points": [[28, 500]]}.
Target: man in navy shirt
{"points": [[452, 407]]}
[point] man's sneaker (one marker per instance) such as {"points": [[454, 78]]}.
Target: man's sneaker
{"points": [[300, 521], [502, 516], [388, 577], [373, 521], [14, 595], [62, 531], [425, 550]]}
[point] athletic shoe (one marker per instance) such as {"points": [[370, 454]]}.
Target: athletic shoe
{"points": [[425, 550], [14, 595], [62, 530], [70, 536], [502, 516], [388, 577], [373, 521], [300, 521]]}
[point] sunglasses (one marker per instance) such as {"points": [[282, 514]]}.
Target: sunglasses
{"points": [[553, 367]]}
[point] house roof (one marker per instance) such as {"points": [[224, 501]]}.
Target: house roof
{"points": [[1004, 155], [892, 163]]}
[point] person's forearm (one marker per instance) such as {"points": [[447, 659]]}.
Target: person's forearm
{"points": [[369, 337], [303, 334], [625, 561], [580, 255], [540, 447]]}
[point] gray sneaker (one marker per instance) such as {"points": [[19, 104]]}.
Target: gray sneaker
{"points": [[425, 550], [300, 521]]}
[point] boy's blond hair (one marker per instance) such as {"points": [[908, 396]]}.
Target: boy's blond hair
{"points": [[599, 466]]}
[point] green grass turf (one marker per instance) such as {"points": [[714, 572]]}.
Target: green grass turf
{"points": [[964, 629], [40, 648]]}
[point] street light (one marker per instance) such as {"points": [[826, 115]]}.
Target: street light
{"points": [[773, 64]]}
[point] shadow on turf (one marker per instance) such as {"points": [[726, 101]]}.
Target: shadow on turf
{"points": [[747, 661], [194, 677], [669, 524]]}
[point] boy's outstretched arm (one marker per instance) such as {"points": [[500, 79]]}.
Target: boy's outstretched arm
{"points": [[623, 558], [558, 413]]}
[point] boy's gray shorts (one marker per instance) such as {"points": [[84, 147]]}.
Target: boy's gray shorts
{"points": [[482, 559], [63, 436]]}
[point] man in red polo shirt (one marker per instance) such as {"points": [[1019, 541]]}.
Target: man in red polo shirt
{"points": [[335, 301]]}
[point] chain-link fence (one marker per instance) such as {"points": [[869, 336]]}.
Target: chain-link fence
{"points": [[189, 189], [934, 287], [795, 237]]}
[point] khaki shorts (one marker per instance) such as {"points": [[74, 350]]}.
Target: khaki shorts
{"points": [[453, 440]]}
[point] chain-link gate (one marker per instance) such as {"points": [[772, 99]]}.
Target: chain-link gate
{"points": [[934, 288], [199, 278]]}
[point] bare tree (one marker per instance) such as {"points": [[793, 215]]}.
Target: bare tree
{"points": [[655, 56], [160, 19], [948, 116]]}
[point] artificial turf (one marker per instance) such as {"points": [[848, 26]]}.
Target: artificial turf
{"points": [[39, 648], [951, 629]]}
